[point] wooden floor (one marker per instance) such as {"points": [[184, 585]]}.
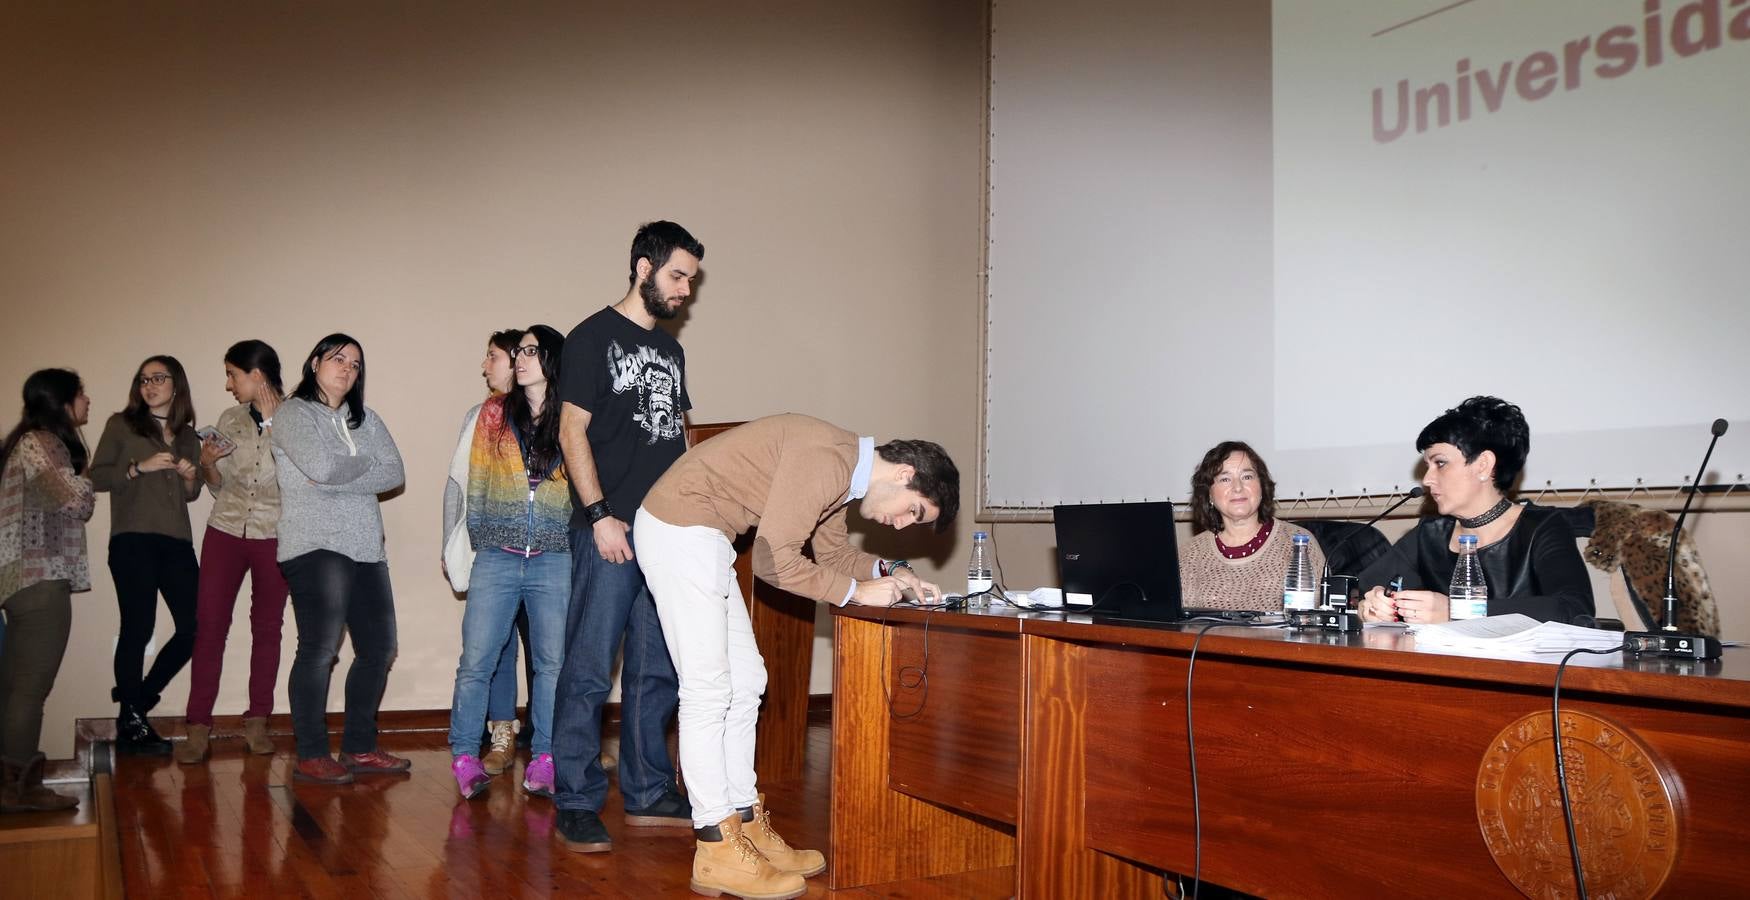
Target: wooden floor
{"points": [[238, 827]]}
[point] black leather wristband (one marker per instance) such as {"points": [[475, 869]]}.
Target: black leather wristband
{"points": [[888, 567], [597, 511]]}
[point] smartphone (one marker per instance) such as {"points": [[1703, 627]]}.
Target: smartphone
{"points": [[209, 433]]}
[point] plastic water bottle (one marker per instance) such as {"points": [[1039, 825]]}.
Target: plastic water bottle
{"points": [[978, 571], [1468, 597], [1300, 588]]}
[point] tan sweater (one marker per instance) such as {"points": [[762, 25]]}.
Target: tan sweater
{"points": [[789, 475], [1213, 581]]}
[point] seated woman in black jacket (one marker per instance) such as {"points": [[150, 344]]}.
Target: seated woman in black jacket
{"points": [[1528, 552]]}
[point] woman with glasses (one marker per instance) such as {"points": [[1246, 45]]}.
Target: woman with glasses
{"points": [[149, 461], [240, 539], [497, 368], [45, 500], [333, 456], [519, 507]]}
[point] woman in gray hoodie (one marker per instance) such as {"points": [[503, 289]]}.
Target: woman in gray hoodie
{"points": [[334, 456]]}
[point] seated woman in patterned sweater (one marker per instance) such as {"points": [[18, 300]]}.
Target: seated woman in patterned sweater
{"points": [[1239, 551]]}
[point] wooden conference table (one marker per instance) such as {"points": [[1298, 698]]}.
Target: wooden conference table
{"points": [[1328, 764]]}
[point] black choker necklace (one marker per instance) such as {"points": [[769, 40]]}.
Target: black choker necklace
{"points": [[1495, 512]]}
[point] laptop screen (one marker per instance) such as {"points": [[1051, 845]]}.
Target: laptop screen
{"points": [[1121, 559]]}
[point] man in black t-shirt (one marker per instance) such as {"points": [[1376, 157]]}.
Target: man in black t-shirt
{"points": [[623, 385]]}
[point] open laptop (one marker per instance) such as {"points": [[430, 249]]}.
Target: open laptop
{"points": [[1122, 560]]}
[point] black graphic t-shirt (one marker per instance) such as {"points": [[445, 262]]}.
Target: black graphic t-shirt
{"points": [[632, 382]]}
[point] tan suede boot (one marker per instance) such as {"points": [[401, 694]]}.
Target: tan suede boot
{"points": [[255, 738], [194, 749], [731, 864], [503, 750], [22, 789], [773, 847]]}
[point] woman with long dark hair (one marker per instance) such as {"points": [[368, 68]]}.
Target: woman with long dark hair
{"points": [[333, 456], [519, 507], [148, 460], [241, 538], [45, 500], [498, 370]]}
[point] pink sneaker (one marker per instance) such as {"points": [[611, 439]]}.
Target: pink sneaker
{"points": [[471, 777], [538, 776]]}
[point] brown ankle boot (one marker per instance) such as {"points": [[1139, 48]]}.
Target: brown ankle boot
{"points": [[255, 738], [194, 749], [725, 861], [773, 847], [22, 790], [502, 753]]}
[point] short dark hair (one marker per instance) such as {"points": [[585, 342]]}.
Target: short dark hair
{"points": [[506, 340], [933, 475], [308, 390], [1483, 423], [47, 394], [657, 241], [138, 415], [251, 355], [1204, 515]]}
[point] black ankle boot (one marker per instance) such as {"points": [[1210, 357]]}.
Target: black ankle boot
{"points": [[134, 735]]}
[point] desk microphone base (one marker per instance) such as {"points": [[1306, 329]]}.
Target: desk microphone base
{"points": [[1322, 620], [1670, 645]]}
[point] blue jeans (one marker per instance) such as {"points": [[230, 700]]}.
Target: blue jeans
{"points": [[501, 702], [499, 584], [333, 595], [609, 602]]}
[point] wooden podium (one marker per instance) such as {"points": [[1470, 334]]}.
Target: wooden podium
{"points": [[1329, 765]]}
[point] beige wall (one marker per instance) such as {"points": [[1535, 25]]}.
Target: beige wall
{"points": [[181, 175]]}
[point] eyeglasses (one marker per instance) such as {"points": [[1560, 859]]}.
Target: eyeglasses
{"points": [[531, 351], [154, 378]]}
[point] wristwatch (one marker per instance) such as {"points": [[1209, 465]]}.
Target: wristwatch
{"points": [[890, 566]]}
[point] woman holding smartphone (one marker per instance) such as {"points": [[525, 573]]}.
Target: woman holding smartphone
{"points": [[241, 538], [333, 456], [148, 461]]}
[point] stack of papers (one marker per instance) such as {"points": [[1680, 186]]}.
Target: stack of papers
{"points": [[1512, 635]]}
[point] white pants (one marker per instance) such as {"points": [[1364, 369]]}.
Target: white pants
{"points": [[691, 575]]}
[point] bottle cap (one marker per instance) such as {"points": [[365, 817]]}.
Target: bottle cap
{"points": [[980, 535], [1466, 539], [1300, 539]]}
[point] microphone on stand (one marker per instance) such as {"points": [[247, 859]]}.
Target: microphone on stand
{"points": [[1668, 641], [1335, 589], [1333, 612]]}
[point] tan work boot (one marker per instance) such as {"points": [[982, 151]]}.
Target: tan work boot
{"points": [[22, 790], [773, 847], [731, 864], [503, 751], [195, 748], [255, 737]]}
